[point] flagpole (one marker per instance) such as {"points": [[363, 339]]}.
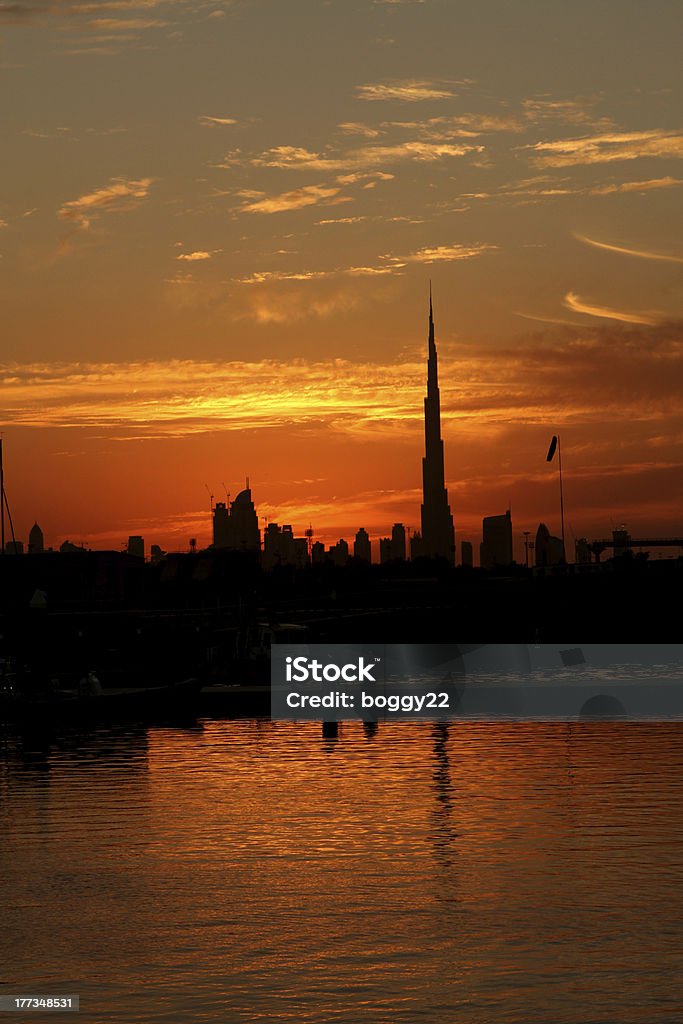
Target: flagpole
{"points": [[559, 455]]}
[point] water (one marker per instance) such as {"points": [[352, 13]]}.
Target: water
{"points": [[249, 871]]}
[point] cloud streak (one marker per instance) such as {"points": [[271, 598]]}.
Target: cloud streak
{"points": [[120, 194], [406, 91], [598, 149], [491, 387], [297, 199], [642, 254], [577, 305]]}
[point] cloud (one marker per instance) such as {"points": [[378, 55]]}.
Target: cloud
{"points": [[118, 195], [577, 378], [297, 158], [637, 186], [640, 253], [342, 220], [390, 264], [573, 302], [407, 91], [214, 122], [448, 253], [30, 10], [297, 199], [266, 276], [124, 24], [549, 187], [571, 111], [193, 257], [599, 149], [356, 128]]}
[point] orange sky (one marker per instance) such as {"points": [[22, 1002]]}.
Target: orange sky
{"points": [[216, 233]]}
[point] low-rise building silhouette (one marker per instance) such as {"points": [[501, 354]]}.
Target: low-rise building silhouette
{"points": [[281, 547], [136, 546]]}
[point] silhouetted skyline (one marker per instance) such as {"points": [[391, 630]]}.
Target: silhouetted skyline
{"points": [[213, 269]]}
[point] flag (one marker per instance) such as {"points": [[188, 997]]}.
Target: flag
{"points": [[552, 449]]}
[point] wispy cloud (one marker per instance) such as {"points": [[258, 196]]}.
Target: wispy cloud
{"points": [[124, 24], [357, 128], [598, 149], [637, 186], [297, 199], [530, 383], [569, 111], [216, 122], [406, 91], [295, 157], [642, 254], [542, 187], [30, 10], [196, 257], [390, 264], [120, 194], [574, 302], [448, 253]]}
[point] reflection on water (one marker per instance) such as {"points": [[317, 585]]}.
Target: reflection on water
{"points": [[262, 872]]}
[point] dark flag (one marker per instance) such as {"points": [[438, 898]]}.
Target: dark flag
{"points": [[552, 449]]}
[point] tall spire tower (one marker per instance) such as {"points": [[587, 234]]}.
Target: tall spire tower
{"points": [[438, 532]]}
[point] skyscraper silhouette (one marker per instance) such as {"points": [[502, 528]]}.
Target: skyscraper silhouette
{"points": [[438, 532]]}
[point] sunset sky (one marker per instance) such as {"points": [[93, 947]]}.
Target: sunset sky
{"points": [[218, 222]]}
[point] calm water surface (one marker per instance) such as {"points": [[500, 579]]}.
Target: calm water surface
{"points": [[249, 871]]}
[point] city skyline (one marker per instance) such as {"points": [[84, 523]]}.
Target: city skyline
{"points": [[216, 231]]}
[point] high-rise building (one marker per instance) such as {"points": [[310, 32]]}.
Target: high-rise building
{"points": [[361, 546], [398, 542], [497, 541], [466, 556], [384, 550], [438, 532], [281, 547], [36, 543], [156, 554], [236, 528], [317, 553], [340, 552], [221, 525], [549, 549]]}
